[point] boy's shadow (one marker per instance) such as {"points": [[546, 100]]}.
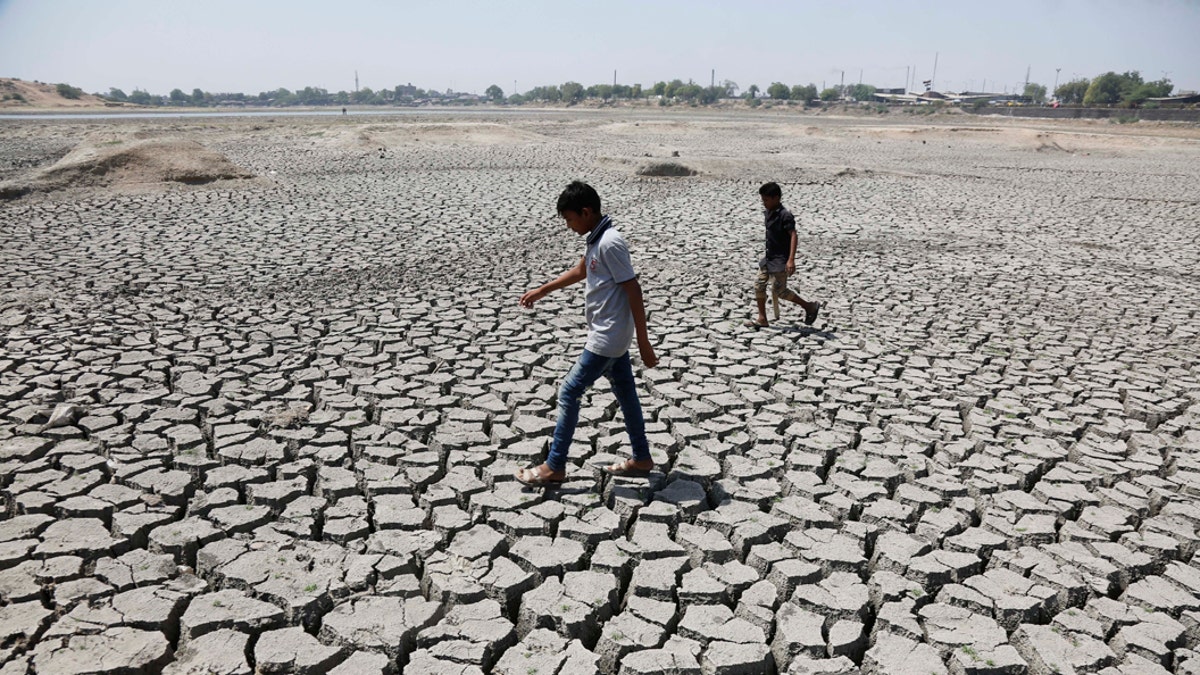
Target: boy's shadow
{"points": [[804, 331]]}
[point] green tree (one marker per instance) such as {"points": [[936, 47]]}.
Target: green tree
{"points": [[1111, 88], [690, 92], [494, 93], [117, 95], [1035, 92], [752, 92], [572, 92], [673, 88], [141, 97], [830, 94], [636, 91], [67, 91], [1072, 93], [1155, 89], [659, 89], [177, 96], [778, 91], [862, 92], [199, 97], [804, 93], [516, 99], [729, 89]]}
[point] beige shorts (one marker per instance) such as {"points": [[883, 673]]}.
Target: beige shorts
{"points": [[778, 283]]}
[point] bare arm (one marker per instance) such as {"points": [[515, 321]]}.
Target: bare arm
{"points": [[633, 290], [572, 276], [791, 263]]}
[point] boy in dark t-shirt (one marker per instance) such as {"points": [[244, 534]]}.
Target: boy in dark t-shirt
{"points": [[779, 263]]}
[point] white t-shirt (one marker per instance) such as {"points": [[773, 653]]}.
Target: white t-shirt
{"points": [[609, 319]]}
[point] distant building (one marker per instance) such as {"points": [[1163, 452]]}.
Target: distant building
{"points": [[1181, 99]]}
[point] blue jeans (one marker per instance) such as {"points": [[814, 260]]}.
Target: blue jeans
{"points": [[582, 376]]}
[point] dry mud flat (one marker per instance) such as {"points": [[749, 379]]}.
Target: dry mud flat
{"points": [[268, 424]]}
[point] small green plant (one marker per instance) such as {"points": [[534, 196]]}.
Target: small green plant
{"points": [[970, 651], [310, 588]]}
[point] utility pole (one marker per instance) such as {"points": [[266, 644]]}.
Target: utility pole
{"points": [[356, 81], [1027, 69], [713, 84], [614, 78], [906, 71], [933, 78], [1056, 80], [842, 86], [860, 75]]}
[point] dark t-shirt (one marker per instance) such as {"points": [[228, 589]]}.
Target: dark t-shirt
{"points": [[779, 224]]}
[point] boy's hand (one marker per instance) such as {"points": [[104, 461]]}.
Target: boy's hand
{"points": [[531, 297], [649, 359], [791, 267]]}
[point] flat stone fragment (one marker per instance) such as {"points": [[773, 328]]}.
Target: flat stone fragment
{"points": [[895, 655], [476, 634], [85, 537], [292, 650], [116, 650], [221, 651], [544, 651], [363, 663], [1048, 650], [575, 607], [227, 609], [388, 625], [736, 658]]}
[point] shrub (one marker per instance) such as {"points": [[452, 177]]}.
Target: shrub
{"points": [[666, 169], [67, 91]]}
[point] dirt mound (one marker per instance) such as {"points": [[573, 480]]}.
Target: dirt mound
{"points": [[127, 164], [666, 169], [16, 93]]}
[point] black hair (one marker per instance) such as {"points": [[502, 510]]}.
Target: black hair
{"points": [[577, 197], [770, 190]]}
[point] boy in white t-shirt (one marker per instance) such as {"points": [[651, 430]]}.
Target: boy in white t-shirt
{"points": [[615, 314]]}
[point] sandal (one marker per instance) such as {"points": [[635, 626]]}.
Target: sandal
{"points": [[811, 316], [532, 478], [627, 469], [755, 324]]}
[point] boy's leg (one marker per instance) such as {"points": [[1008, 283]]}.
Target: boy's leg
{"points": [[760, 296], [583, 374], [625, 389], [782, 291]]}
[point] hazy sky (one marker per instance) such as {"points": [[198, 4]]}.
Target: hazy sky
{"points": [[252, 46]]}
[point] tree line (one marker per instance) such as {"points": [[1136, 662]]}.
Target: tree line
{"points": [[311, 96], [1108, 89], [1126, 89]]}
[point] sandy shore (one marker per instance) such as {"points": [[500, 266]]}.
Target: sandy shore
{"points": [[266, 417]]}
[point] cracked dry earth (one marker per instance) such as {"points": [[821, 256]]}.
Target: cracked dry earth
{"points": [[270, 426]]}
